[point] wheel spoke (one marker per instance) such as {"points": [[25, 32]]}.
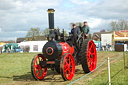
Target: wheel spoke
{"points": [[35, 66], [70, 63], [70, 70], [69, 59], [41, 71], [39, 59], [69, 73], [89, 63], [66, 63], [65, 70], [91, 46], [66, 67], [37, 73], [93, 53], [92, 64], [36, 63], [35, 69], [88, 55]]}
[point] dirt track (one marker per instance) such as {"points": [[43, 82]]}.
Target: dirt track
{"points": [[53, 78]]}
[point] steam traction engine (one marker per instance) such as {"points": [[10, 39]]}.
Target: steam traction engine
{"points": [[63, 53]]}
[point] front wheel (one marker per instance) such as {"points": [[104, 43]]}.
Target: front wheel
{"points": [[37, 71], [67, 66]]}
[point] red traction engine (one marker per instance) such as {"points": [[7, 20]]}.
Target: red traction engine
{"points": [[62, 54]]}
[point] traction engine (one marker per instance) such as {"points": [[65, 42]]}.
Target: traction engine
{"points": [[64, 53]]}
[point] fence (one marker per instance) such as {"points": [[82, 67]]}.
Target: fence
{"points": [[109, 78]]}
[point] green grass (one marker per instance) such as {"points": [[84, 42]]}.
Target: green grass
{"points": [[119, 76], [15, 66]]}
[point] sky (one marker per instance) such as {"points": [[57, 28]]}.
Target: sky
{"points": [[18, 16]]}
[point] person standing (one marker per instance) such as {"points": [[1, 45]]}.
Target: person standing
{"points": [[1, 50], [74, 27], [75, 33], [106, 47], [8, 50], [85, 29]]}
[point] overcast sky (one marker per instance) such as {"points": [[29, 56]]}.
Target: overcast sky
{"points": [[18, 16]]}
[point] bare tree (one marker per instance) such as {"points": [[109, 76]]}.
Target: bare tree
{"points": [[118, 25]]}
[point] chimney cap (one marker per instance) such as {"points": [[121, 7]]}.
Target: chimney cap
{"points": [[50, 10]]}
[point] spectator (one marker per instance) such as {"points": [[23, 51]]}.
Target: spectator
{"points": [[8, 50]]}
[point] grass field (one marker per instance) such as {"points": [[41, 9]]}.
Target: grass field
{"points": [[15, 69], [119, 76]]}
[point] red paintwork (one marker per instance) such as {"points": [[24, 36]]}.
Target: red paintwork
{"points": [[68, 66], [68, 61], [66, 48], [39, 72], [91, 50]]}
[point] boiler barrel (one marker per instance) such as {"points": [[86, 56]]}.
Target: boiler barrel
{"points": [[53, 50]]}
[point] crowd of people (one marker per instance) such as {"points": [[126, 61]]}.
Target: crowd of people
{"points": [[14, 50], [108, 47]]}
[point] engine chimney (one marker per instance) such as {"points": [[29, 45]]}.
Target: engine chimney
{"points": [[51, 23]]}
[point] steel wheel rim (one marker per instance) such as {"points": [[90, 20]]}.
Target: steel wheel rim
{"points": [[69, 67], [91, 56], [39, 72]]}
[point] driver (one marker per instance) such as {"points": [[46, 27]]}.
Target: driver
{"points": [[85, 29]]}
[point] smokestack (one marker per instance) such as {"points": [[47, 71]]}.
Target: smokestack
{"points": [[51, 22]]}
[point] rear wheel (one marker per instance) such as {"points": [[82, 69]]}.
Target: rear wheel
{"points": [[67, 66], [88, 56], [37, 71]]}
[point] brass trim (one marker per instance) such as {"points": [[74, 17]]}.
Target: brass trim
{"points": [[50, 10]]}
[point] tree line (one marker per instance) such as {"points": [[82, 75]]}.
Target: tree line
{"points": [[35, 34], [118, 25]]}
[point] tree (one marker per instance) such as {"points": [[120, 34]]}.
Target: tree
{"points": [[71, 24], [65, 33], [45, 32], [103, 30], [118, 25], [33, 34], [113, 26], [77, 24]]}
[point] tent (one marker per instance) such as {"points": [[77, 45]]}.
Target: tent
{"points": [[10, 46], [32, 46]]}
